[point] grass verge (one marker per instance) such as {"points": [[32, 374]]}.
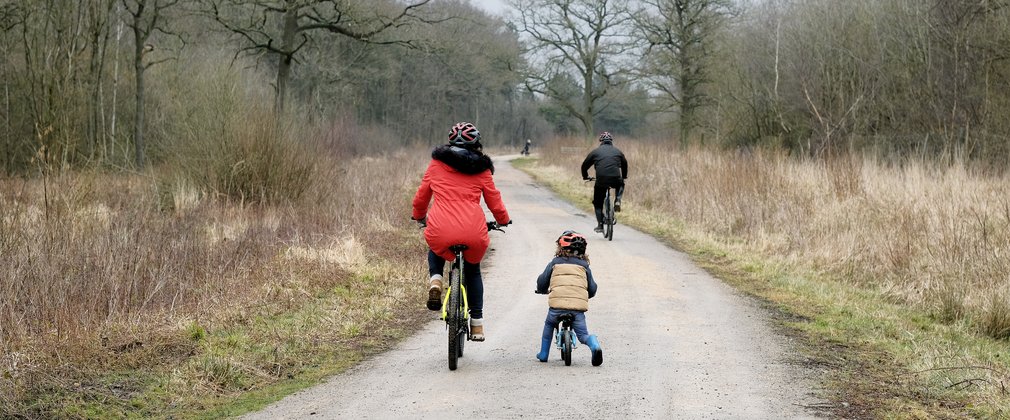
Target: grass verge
{"points": [[246, 358], [115, 305], [881, 358]]}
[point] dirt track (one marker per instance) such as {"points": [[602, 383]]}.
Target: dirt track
{"points": [[677, 342]]}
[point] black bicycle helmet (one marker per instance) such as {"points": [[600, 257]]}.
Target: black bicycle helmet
{"points": [[606, 137], [573, 241]]}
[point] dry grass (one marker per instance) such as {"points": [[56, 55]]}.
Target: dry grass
{"points": [[934, 237], [109, 273], [901, 266]]}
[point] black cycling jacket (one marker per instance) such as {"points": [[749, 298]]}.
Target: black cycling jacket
{"points": [[609, 162]]}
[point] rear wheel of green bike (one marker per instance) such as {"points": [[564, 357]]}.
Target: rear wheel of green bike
{"points": [[455, 318]]}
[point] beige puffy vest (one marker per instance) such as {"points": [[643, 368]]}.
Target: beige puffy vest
{"points": [[569, 288]]}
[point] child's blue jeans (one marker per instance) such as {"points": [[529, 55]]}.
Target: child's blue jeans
{"points": [[579, 324]]}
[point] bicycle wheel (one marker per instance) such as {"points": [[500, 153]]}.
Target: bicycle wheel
{"points": [[454, 317], [566, 346], [608, 219]]}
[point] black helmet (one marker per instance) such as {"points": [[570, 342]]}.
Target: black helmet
{"points": [[573, 241], [606, 137]]}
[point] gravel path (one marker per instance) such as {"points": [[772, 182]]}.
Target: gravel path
{"points": [[677, 342]]}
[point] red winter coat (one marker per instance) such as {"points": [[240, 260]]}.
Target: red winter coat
{"points": [[458, 178]]}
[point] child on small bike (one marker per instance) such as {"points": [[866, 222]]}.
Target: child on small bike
{"points": [[569, 284]]}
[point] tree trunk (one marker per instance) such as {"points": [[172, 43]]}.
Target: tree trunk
{"points": [[109, 141], [9, 147], [138, 127], [587, 103], [284, 64], [686, 107], [8, 151]]}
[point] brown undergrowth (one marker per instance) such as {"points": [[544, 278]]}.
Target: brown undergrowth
{"points": [[158, 295], [900, 267]]}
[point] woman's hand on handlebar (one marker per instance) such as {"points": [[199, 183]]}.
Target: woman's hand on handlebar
{"points": [[493, 225]]}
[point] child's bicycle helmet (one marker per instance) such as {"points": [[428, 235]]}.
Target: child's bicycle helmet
{"points": [[464, 134], [573, 241]]}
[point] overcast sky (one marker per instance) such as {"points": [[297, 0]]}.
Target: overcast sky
{"points": [[496, 7]]}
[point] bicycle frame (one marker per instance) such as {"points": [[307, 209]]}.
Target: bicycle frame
{"points": [[457, 265], [565, 338], [456, 306], [609, 217], [455, 309]]}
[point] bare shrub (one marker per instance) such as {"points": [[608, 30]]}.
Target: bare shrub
{"points": [[99, 274], [259, 163], [995, 317], [950, 301], [228, 142]]}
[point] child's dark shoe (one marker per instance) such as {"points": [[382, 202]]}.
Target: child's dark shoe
{"points": [[594, 346]]}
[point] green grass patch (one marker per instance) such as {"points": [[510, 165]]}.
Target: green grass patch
{"points": [[239, 364], [881, 358]]}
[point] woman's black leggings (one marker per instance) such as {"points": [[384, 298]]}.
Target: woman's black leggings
{"points": [[471, 280]]}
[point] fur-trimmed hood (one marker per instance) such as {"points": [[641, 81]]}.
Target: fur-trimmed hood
{"points": [[466, 161]]}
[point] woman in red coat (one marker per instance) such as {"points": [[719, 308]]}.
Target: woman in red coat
{"points": [[457, 176]]}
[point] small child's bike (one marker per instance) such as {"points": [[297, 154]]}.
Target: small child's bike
{"points": [[564, 337]]}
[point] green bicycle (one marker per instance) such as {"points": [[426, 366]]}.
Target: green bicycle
{"points": [[455, 308]]}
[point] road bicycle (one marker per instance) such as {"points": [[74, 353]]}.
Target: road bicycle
{"points": [[564, 337], [609, 217], [455, 308]]}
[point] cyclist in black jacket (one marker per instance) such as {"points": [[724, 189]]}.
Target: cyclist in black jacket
{"points": [[611, 171]]}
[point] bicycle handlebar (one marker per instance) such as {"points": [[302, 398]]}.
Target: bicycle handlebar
{"points": [[491, 224]]}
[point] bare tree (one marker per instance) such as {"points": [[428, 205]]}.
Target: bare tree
{"points": [[101, 17], [146, 18], [283, 27], [7, 22], [583, 38], [680, 36]]}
